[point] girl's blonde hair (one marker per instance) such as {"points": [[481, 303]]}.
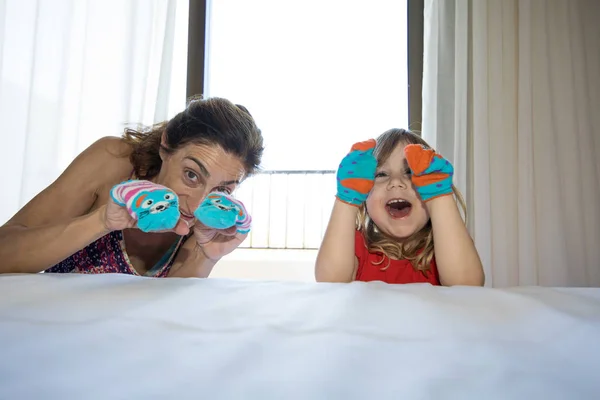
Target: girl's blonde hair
{"points": [[418, 248]]}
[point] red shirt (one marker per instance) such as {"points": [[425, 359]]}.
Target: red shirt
{"points": [[398, 271]]}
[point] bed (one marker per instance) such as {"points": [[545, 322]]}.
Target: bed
{"points": [[125, 337]]}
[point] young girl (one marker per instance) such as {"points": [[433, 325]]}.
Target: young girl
{"points": [[395, 218]]}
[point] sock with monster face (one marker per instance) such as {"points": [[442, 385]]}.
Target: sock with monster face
{"points": [[155, 207], [222, 211]]}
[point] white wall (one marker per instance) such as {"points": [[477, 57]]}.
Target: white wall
{"points": [[286, 265]]}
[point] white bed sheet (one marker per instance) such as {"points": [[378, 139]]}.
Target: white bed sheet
{"points": [[126, 337]]}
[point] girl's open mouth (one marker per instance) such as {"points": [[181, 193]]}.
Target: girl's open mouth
{"points": [[398, 208]]}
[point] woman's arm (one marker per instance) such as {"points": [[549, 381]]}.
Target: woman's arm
{"points": [[34, 249], [57, 222], [336, 260], [203, 249], [455, 253], [191, 262]]}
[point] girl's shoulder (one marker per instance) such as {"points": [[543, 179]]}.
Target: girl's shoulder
{"points": [[361, 250]]}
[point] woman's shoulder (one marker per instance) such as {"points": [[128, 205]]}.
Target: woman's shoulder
{"points": [[81, 187], [105, 161], [111, 147]]}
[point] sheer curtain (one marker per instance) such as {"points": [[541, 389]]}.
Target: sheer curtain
{"points": [[511, 94], [74, 71]]}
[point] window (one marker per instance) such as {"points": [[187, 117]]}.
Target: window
{"points": [[317, 75]]}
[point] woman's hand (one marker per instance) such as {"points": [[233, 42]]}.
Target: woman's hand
{"points": [[217, 243], [116, 217], [145, 205]]}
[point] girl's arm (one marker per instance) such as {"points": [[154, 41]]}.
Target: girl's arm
{"points": [[336, 261], [456, 257], [57, 222], [455, 254]]}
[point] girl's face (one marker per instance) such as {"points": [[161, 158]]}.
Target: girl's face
{"points": [[393, 204], [193, 171]]}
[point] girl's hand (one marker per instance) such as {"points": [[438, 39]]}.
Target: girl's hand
{"points": [[217, 243], [431, 173], [356, 173]]}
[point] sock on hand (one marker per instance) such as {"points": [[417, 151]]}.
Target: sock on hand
{"points": [[431, 173], [222, 211], [155, 207], [356, 173]]}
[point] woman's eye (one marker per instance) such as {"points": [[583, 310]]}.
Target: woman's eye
{"points": [[380, 175], [191, 176], [407, 171]]}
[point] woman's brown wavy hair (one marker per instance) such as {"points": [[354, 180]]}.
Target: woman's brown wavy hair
{"points": [[418, 248], [211, 121]]}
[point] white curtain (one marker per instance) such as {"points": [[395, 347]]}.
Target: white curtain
{"points": [[511, 94], [74, 71]]}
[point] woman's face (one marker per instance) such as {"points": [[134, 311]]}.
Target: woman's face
{"points": [[194, 170]]}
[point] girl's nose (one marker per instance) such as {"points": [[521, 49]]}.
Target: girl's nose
{"points": [[397, 182]]}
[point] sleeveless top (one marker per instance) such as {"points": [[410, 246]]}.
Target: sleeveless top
{"points": [[108, 255], [398, 271]]}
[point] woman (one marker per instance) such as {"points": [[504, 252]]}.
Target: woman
{"points": [[75, 226]]}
